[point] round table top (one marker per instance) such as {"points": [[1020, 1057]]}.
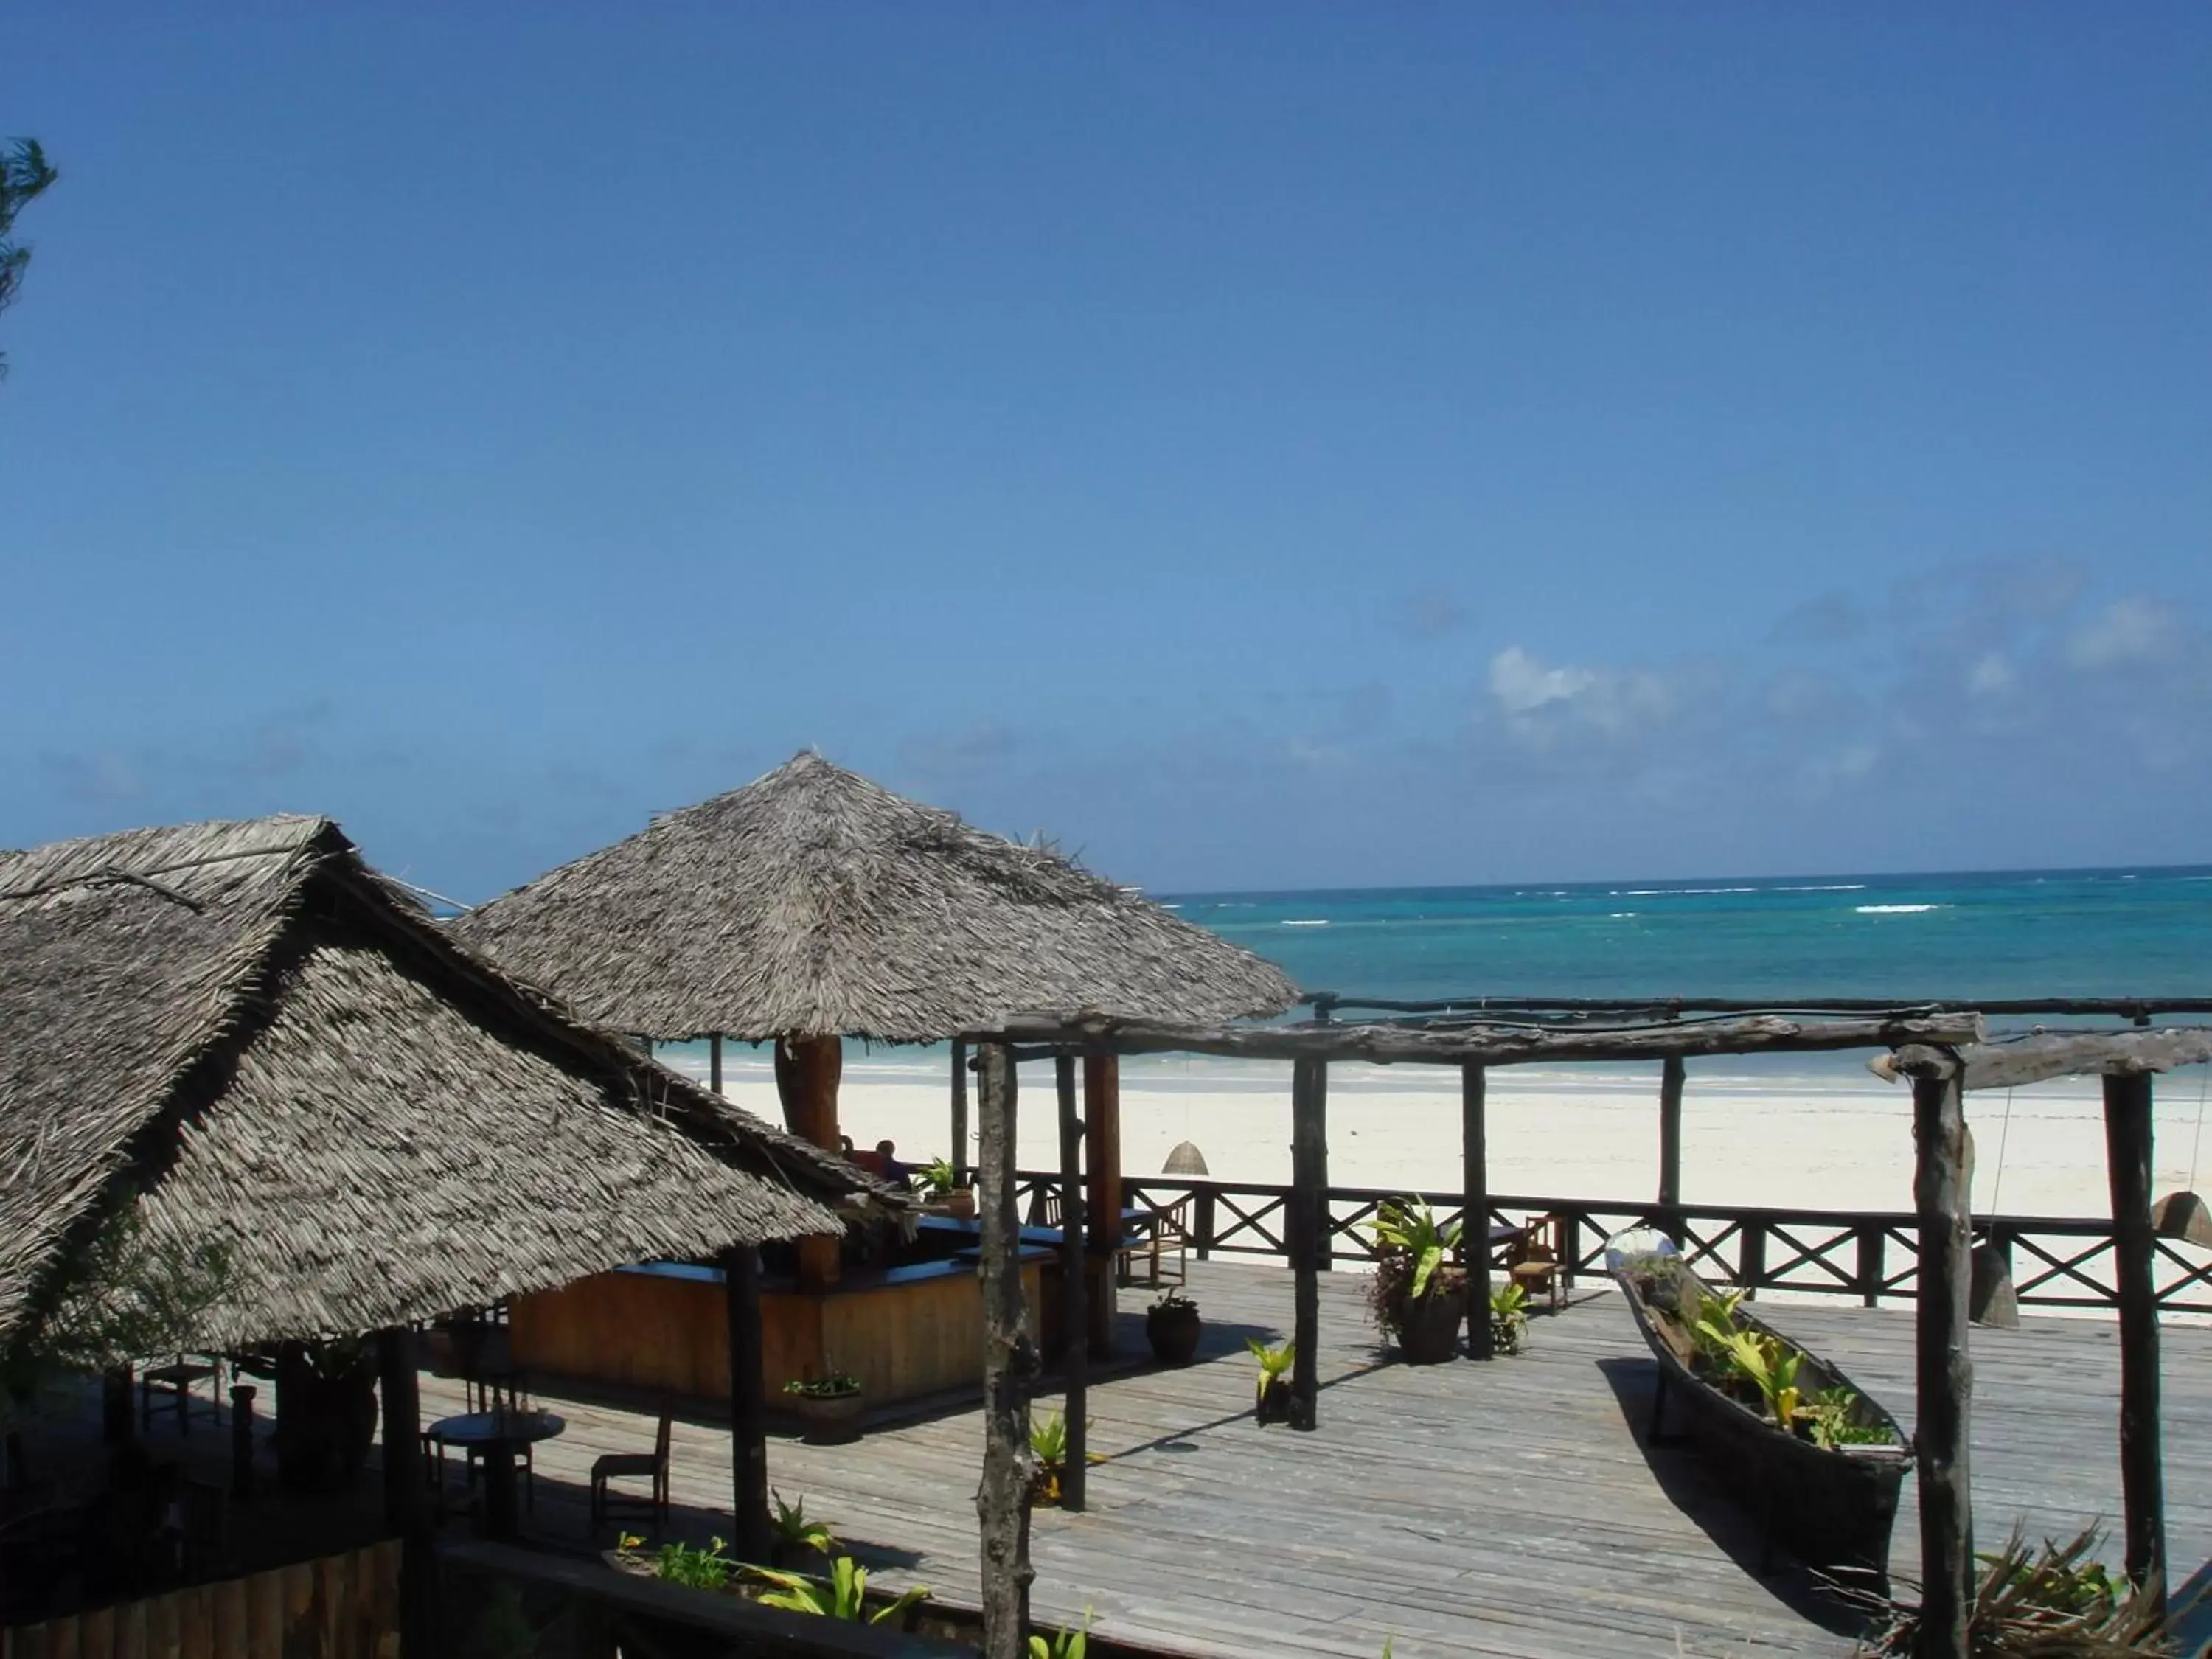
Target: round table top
{"points": [[492, 1428]]}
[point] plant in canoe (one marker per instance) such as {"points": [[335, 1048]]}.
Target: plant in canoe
{"points": [[1273, 1402], [1419, 1295], [794, 1534], [1065, 1644], [842, 1595]]}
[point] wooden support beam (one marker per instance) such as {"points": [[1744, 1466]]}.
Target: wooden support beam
{"points": [[1308, 1083], [1497, 1045], [1010, 1370], [1102, 1131], [714, 1062], [1474, 1208], [2128, 1161], [402, 1430], [807, 1071], [1671, 1077], [1074, 1283], [1945, 1375], [1324, 1240], [741, 1300], [959, 1154], [2022, 1060]]}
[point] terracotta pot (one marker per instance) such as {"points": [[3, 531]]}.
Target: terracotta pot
{"points": [[1428, 1330], [828, 1419], [961, 1202], [1174, 1333]]}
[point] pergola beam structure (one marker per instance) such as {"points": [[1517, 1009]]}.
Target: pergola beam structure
{"points": [[1493, 1046], [2038, 1058]]}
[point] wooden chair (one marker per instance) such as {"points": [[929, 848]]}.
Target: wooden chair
{"points": [[619, 1466], [1168, 1231], [1535, 1261], [172, 1388]]}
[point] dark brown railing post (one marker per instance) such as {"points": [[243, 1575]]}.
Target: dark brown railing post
{"points": [[1945, 1381], [1474, 1208], [1074, 1300], [1308, 1190], [2128, 1157], [1873, 1240], [1009, 1367], [1202, 1220], [1753, 1271]]}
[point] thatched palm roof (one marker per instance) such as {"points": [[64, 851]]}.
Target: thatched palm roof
{"points": [[243, 1033], [813, 902]]}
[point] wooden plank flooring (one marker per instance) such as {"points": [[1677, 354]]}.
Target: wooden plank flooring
{"points": [[1506, 1510]]}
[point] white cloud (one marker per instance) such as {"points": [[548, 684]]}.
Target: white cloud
{"points": [[1539, 703], [1522, 684], [1992, 677], [2127, 631]]}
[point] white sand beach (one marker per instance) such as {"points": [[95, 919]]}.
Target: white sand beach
{"points": [[1829, 1141]]}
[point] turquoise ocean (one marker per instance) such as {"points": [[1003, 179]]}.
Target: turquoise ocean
{"points": [[2023, 933]]}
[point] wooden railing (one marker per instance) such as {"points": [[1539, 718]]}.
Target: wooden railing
{"points": [[2057, 1261]]}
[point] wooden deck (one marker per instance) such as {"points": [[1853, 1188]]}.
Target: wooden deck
{"points": [[1507, 1508]]}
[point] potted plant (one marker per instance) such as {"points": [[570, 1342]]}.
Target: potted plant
{"points": [[829, 1408], [1419, 1296], [796, 1537], [1273, 1402], [1509, 1318], [1049, 1446], [326, 1412], [1172, 1326], [939, 1186]]}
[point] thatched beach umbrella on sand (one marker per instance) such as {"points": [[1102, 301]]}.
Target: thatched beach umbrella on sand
{"points": [[813, 904]]}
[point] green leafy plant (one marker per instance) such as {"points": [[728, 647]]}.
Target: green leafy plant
{"points": [[1065, 1644], [1174, 1301], [1274, 1363], [1408, 1226], [1509, 1317], [938, 1178], [707, 1568], [2056, 1602], [1770, 1365], [838, 1385], [1830, 1416], [843, 1595], [793, 1531]]}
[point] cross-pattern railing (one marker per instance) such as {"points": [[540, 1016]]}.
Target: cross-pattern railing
{"points": [[2057, 1261]]}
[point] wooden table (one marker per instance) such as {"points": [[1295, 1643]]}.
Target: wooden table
{"points": [[496, 1436]]}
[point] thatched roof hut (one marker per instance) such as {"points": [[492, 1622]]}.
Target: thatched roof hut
{"points": [[813, 902], [244, 1034]]}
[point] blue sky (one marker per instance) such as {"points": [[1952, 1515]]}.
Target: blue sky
{"points": [[1261, 445]]}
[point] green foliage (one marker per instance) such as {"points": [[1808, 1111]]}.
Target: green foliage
{"points": [[124, 1299], [938, 1178], [795, 1531], [1830, 1415], [707, 1568], [1174, 1301], [1509, 1317], [2057, 1602], [1407, 1226], [1067, 1644], [843, 1595], [1770, 1365], [24, 175], [838, 1385], [1274, 1363], [1049, 1439]]}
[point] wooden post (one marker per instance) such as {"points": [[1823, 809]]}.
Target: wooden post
{"points": [[1308, 1080], [403, 1484], [1945, 1374], [959, 1154], [1102, 1132], [241, 1441], [1474, 1208], [402, 1430], [1074, 1274], [714, 1062], [1010, 1366], [1324, 1240], [1670, 1137], [2128, 1159], [807, 1070], [741, 1304]]}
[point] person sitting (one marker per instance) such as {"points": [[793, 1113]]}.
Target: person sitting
{"points": [[893, 1170]]}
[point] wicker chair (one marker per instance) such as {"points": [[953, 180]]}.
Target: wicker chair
{"points": [[619, 1466]]}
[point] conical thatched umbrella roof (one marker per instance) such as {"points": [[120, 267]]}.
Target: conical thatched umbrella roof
{"points": [[813, 902], [241, 1035]]}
